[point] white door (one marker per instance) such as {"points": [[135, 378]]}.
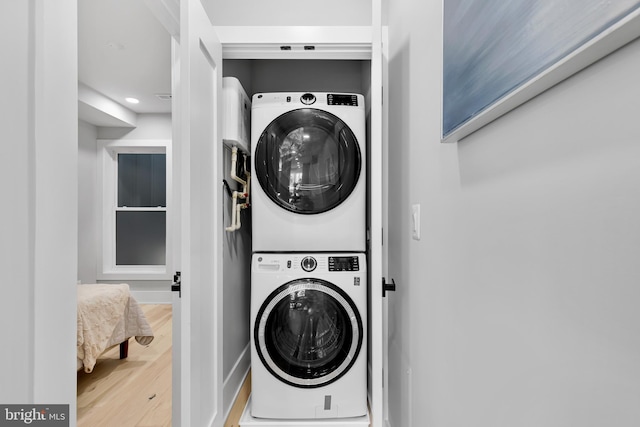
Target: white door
{"points": [[198, 379], [385, 221], [168, 14], [377, 255], [176, 311]]}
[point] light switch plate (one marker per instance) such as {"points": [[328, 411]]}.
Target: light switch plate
{"points": [[415, 222]]}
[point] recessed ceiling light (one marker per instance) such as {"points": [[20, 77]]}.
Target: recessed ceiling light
{"points": [[132, 100]]}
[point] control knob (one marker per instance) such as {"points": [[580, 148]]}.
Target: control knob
{"points": [[308, 98], [309, 263]]}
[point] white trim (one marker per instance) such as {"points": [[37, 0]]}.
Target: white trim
{"points": [[297, 51], [176, 348], [266, 42], [293, 34], [107, 269], [385, 221], [609, 40], [51, 144], [97, 109], [375, 200], [233, 383]]}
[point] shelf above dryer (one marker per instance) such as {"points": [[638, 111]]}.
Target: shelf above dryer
{"points": [[295, 42]]}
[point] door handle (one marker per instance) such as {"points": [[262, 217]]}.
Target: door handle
{"points": [[388, 287], [176, 286]]}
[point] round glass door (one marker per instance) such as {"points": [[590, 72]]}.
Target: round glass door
{"points": [[307, 161], [308, 333]]}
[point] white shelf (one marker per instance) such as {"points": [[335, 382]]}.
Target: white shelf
{"points": [[294, 42]]}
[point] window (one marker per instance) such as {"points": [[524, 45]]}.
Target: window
{"points": [[135, 202]]}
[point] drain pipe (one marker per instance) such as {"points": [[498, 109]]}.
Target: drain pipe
{"points": [[234, 163], [244, 194]]}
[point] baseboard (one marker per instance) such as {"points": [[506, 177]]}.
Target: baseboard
{"points": [[233, 382], [152, 297]]}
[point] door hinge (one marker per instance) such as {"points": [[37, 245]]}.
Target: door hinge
{"points": [[176, 286], [388, 287]]}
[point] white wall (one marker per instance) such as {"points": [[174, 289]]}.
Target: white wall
{"points": [[149, 126], [289, 12], [87, 202], [519, 305], [236, 285]]}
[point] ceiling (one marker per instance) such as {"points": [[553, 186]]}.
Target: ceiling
{"points": [[123, 51]]}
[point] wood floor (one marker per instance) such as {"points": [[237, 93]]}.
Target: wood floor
{"points": [[133, 392], [233, 420], [136, 391]]}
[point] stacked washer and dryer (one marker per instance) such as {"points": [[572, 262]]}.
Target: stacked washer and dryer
{"points": [[308, 274]]}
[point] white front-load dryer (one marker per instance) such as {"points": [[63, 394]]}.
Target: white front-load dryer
{"points": [[308, 335], [308, 180]]}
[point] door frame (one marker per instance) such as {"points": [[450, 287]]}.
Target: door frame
{"points": [[51, 208], [363, 43], [377, 257]]}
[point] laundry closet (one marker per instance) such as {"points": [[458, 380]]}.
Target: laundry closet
{"points": [[301, 68], [321, 65]]}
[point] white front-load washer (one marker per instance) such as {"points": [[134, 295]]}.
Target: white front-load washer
{"points": [[308, 335], [308, 180]]}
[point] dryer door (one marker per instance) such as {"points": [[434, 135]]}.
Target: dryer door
{"points": [[308, 333], [307, 161]]}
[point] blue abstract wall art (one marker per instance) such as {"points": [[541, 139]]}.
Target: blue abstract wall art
{"points": [[492, 47]]}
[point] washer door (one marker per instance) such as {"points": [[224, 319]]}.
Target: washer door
{"points": [[308, 333], [307, 161]]}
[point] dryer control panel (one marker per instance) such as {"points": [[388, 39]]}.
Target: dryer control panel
{"points": [[343, 263], [342, 99]]}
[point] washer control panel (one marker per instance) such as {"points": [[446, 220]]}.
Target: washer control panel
{"points": [[307, 263], [343, 263]]}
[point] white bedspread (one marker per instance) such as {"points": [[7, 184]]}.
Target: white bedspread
{"points": [[107, 315]]}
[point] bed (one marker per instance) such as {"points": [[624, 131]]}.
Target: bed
{"points": [[108, 316]]}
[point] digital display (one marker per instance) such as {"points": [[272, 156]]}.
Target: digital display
{"points": [[346, 263], [338, 99]]}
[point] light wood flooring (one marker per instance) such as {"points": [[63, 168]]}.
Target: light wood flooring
{"points": [[132, 392], [136, 391], [233, 420]]}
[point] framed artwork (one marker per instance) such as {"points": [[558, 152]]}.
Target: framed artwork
{"points": [[498, 54]]}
